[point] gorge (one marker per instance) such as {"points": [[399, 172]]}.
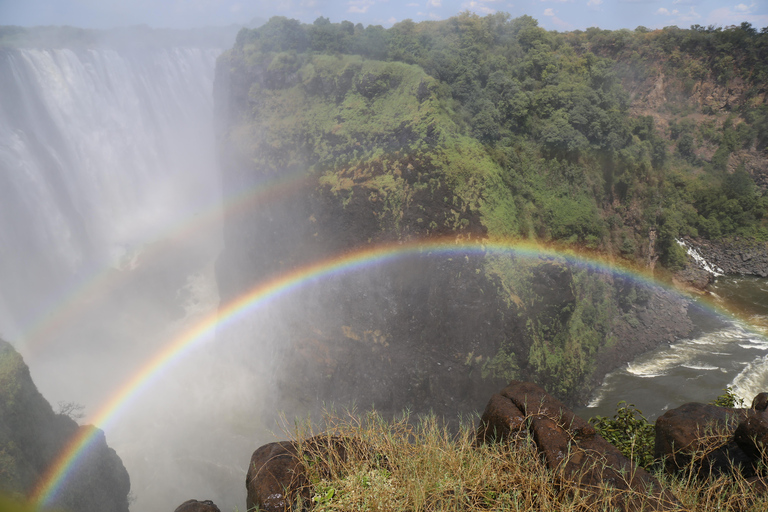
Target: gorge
{"points": [[349, 243]]}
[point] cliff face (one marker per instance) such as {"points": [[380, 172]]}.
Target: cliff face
{"points": [[352, 152], [32, 436]]}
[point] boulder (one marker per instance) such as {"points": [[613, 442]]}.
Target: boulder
{"points": [[760, 402], [197, 506], [572, 450], [700, 437], [277, 479], [752, 435]]}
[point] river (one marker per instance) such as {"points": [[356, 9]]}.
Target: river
{"points": [[724, 351]]}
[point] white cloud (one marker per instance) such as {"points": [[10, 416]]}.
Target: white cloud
{"points": [[479, 7], [549, 12], [412, 5], [743, 8], [594, 3], [434, 3], [689, 17], [662, 10], [725, 16], [235, 8], [359, 6]]}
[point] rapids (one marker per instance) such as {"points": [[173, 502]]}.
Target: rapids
{"points": [[725, 352]]}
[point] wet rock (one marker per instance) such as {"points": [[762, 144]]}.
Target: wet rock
{"points": [[276, 478], [197, 506], [700, 437], [752, 435], [760, 402], [737, 256], [572, 450]]}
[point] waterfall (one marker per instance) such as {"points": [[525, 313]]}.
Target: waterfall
{"points": [[108, 181], [698, 258], [101, 151]]}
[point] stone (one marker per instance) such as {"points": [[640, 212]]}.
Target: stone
{"points": [[276, 479], [197, 506], [700, 437], [760, 402], [572, 450], [500, 419], [752, 435]]}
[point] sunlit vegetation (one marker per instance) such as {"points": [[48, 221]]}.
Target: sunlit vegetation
{"points": [[407, 465], [531, 128], [492, 127]]}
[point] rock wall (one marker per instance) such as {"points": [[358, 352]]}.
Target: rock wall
{"points": [[31, 437], [435, 332], [738, 256]]}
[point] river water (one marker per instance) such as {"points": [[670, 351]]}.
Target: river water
{"points": [[725, 350]]}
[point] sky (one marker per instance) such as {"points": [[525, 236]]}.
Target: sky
{"points": [[561, 15]]}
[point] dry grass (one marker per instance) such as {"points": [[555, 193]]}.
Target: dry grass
{"points": [[419, 466]]}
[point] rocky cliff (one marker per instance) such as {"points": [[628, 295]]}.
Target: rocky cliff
{"points": [[32, 435], [345, 152]]}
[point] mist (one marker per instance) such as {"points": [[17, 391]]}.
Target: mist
{"points": [[110, 222], [131, 220]]}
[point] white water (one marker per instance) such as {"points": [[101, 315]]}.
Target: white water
{"points": [[108, 181], [727, 353]]}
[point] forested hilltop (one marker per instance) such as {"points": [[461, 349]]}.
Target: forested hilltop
{"points": [[485, 129], [617, 141]]}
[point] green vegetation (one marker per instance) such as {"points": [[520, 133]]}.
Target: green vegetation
{"points": [[634, 435], [530, 129], [630, 432], [494, 128]]}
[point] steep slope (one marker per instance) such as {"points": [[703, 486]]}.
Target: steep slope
{"points": [[353, 152], [32, 436]]}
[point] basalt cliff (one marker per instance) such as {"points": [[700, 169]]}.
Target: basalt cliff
{"points": [[486, 131]]}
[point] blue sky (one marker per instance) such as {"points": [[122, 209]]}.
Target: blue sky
{"points": [[552, 14]]}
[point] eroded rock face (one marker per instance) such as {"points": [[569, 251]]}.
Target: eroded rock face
{"points": [[572, 449], [702, 435], [197, 506], [32, 435]]}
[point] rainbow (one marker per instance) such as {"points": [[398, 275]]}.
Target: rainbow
{"points": [[55, 476], [73, 301]]}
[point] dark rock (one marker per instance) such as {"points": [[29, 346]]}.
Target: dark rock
{"points": [[760, 402], [752, 435], [276, 479], [572, 450], [736, 256], [32, 436], [500, 419], [700, 437], [197, 506]]}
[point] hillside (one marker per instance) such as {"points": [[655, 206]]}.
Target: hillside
{"points": [[487, 130]]}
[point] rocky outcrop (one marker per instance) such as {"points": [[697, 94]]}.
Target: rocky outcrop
{"points": [[32, 436], [700, 437], [197, 506], [710, 440], [737, 256], [573, 451], [276, 477]]}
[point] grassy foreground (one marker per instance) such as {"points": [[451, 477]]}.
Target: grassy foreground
{"points": [[415, 466]]}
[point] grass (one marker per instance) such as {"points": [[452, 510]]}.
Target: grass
{"points": [[421, 465]]}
